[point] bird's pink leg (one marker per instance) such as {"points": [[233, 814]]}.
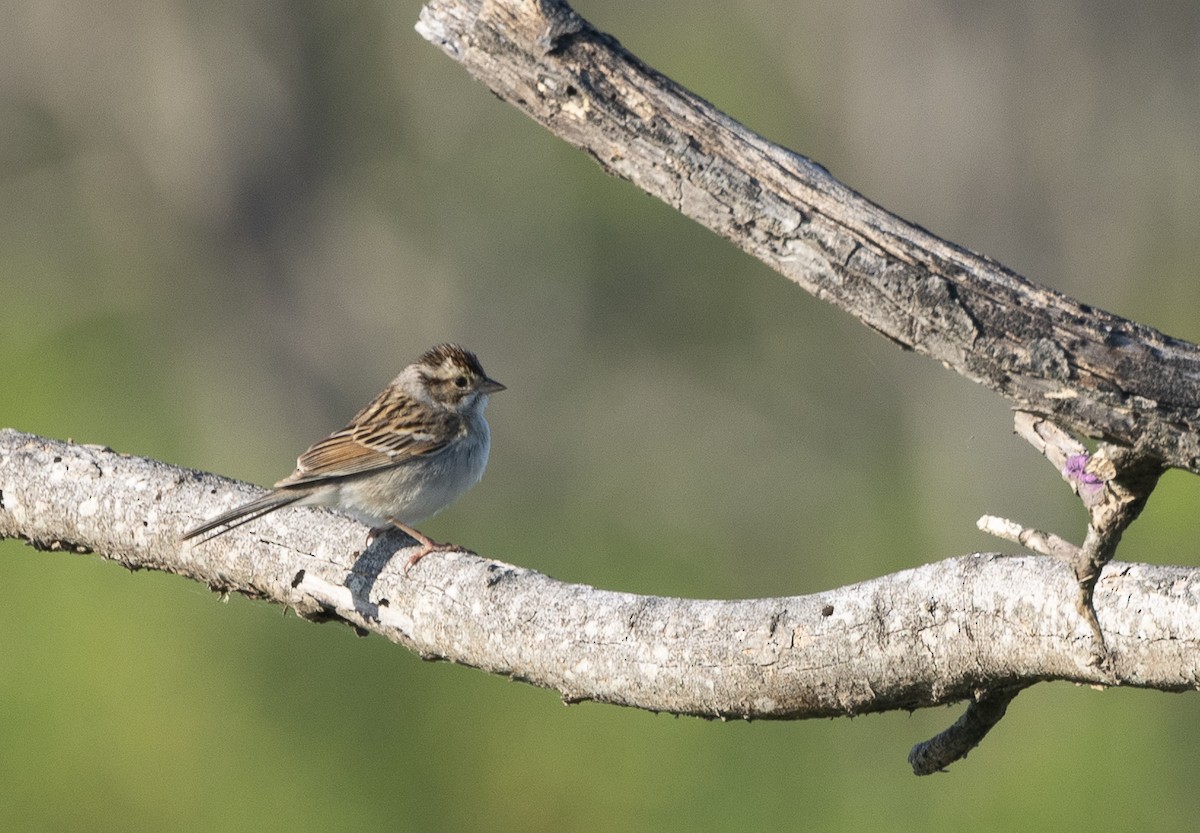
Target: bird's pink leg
{"points": [[428, 545]]}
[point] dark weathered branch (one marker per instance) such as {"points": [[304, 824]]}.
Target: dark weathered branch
{"points": [[923, 637], [1098, 373]]}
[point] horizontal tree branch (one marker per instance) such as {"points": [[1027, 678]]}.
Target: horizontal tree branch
{"points": [[1098, 373], [922, 637]]}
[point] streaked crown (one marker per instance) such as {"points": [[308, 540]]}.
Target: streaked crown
{"points": [[454, 374]]}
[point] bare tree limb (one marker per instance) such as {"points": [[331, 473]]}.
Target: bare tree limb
{"points": [[923, 637], [1098, 373]]}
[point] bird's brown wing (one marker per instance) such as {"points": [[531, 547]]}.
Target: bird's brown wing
{"points": [[383, 434]]}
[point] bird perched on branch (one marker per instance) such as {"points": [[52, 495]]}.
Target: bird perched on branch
{"points": [[412, 452]]}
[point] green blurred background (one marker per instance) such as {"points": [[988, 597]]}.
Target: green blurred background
{"points": [[223, 227]]}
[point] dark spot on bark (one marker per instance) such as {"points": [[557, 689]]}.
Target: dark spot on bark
{"points": [[827, 610], [497, 574]]}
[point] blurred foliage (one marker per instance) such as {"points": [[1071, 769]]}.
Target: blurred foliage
{"points": [[226, 225]]}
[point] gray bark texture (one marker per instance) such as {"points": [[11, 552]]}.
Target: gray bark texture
{"points": [[1097, 373], [935, 634]]}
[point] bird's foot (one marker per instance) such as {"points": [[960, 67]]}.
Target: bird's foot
{"points": [[428, 545]]}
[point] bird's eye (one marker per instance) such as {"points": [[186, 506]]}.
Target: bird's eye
{"points": [[460, 382]]}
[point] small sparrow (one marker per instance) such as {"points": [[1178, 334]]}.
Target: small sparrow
{"points": [[412, 452]]}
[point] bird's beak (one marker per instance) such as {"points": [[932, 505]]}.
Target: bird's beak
{"points": [[491, 386]]}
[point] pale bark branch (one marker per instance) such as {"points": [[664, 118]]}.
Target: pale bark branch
{"points": [[935, 634], [1098, 373]]}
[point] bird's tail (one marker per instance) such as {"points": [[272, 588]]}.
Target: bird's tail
{"points": [[245, 513]]}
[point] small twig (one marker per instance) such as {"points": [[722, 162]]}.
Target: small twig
{"points": [[982, 713], [1043, 543], [1126, 480], [1113, 484]]}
